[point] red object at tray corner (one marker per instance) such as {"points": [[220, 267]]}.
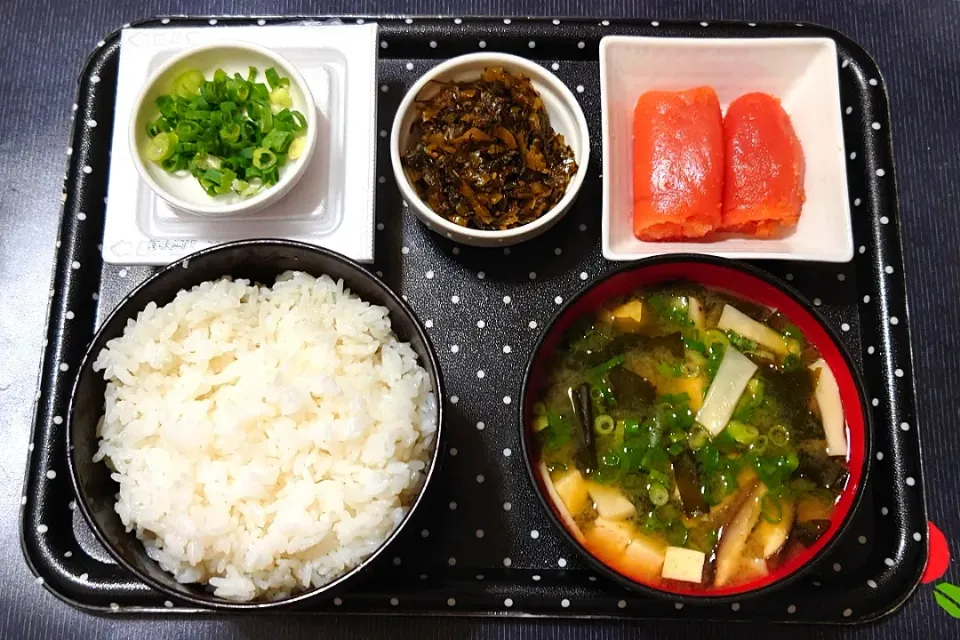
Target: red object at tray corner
{"points": [[677, 164], [763, 179], [938, 554]]}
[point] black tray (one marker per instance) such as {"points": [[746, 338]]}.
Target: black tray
{"points": [[482, 545]]}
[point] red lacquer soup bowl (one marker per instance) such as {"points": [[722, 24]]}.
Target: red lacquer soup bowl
{"points": [[751, 285]]}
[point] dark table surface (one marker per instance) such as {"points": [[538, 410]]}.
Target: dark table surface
{"points": [[917, 45]]}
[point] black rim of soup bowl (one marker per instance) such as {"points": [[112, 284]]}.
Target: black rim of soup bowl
{"points": [[529, 447], [260, 261]]}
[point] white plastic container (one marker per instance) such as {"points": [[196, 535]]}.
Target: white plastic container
{"points": [[332, 204], [182, 190], [801, 72], [566, 118]]}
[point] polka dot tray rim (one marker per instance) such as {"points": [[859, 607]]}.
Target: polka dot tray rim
{"points": [[483, 547]]}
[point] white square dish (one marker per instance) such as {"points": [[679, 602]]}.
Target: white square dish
{"points": [[331, 206], [801, 72]]}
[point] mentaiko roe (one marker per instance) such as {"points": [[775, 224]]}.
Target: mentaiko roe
{"points": [[677, 164], [763, 191]]}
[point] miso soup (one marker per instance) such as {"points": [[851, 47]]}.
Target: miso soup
{"points": [[690, 439]]}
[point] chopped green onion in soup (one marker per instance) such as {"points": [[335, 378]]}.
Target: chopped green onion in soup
{"points": [[676, 427]]}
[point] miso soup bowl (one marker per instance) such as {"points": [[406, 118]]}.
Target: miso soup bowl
{"points": [[751, 284]]}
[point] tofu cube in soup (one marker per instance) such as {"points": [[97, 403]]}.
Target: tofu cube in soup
{"points": [[572, 489], [558, 502], [680, 424], [629, 317], [608, 539], [643, 558], [682, 564], [610, 503]]}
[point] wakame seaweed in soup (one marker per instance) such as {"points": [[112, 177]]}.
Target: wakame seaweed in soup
{"points": [[688, 437]]}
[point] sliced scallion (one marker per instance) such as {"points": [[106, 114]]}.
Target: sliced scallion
{"points": [[759, 446], [281, 97], [263, 158], [741, 432], [658, 494], [698, 437], [274, 79], [603, 424], [295, 150], [188, 83], [230, 133], [162, 146], [778, 435], [224, 130]]}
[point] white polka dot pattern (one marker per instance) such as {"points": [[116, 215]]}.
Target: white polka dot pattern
{"points": [[514, 302]]}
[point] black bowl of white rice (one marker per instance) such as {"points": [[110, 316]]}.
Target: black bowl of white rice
{"points": [[254, 424]]}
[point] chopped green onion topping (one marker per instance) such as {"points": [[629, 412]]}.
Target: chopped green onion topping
{"points": [[557, 432], [264, 159], [295, 150], [741, 432], [791, 362], [188, 130], [603, 424], [671, 370], [778, 435], [609, 365], [659, 494], [224, 131], [698, 437], [188, 83], [281, 97], [741, 343], [230, 133], [162, 146], [759, 445], [272, 78]]}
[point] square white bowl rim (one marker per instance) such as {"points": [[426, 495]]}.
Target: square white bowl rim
{"points": [[825, 181]]}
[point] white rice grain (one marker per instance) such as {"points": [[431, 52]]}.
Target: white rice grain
{"points": [[265, 439]]}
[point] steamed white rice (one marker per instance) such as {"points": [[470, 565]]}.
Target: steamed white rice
{"points": [[265, 439]]}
